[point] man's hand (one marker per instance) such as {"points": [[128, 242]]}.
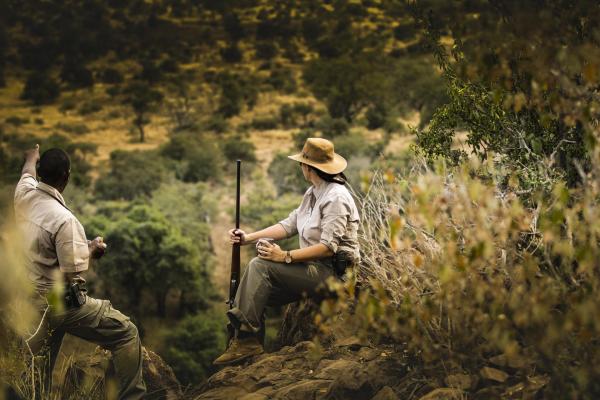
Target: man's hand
{"points": [[97, 247], [32, 156]]}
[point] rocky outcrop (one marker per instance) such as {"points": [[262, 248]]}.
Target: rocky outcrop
{"points": [[95, 372], [304, 371]]}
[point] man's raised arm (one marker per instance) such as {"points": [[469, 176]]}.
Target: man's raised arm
{"points": [[32, 156]]}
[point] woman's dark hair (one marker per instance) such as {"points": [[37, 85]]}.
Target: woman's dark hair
{"points": [[337, 178], [54, 166]]}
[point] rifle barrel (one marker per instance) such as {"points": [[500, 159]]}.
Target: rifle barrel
{"points": [[237, 195]]}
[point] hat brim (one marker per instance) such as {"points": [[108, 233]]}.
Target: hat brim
{"points": [[335, 166]]}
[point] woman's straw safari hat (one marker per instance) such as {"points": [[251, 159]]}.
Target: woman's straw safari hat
{"points": [[319, 153]]}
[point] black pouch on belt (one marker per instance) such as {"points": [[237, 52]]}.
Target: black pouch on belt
{"points": [[341, 260], [75, 294]]}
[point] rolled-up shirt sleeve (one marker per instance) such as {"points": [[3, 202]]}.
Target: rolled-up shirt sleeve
{"points": [[290, 224], [334, 220], [71, 247], [26, 184]]}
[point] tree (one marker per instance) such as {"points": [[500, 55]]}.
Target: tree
{"points": [[198, 157], [347, 84], [40, 88], [143, 100], [522, 78], [193, 345], [76, 74], [131, 174], [148, 255]]}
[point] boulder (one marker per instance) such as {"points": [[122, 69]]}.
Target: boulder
{"points": [[459, 381], [93, 375], [161, 382], [386, 393], [305, 389], [493, 374], [444, 394]]}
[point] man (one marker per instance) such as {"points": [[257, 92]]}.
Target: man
{"points": [[56, 252]]}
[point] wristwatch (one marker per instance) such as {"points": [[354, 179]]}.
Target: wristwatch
{"points": [[288, 257]]}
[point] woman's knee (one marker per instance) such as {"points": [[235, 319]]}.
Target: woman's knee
{"points": [[258, 265]]}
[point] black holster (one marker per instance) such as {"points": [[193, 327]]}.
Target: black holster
{"points": [[75, 294], [341, 260]]}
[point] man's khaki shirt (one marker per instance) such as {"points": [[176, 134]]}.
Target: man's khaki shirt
{"points": [[53, 239], [327, 215]]}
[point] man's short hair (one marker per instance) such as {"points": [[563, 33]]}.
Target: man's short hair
{"points": [[54, 166]]}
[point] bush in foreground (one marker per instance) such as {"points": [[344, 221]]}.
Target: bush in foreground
{"points": [[460, 268]]}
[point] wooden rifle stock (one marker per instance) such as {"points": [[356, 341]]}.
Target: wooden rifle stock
{"points": [[234, 279]]}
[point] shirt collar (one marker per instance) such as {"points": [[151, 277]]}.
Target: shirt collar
{"points": [[319, 189], [52, 192]]}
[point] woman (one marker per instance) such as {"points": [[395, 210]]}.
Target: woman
{"points": [[326, 222]]}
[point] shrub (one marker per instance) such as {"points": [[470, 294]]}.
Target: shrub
{"points": [[76, 75], [131, 174], [203, 163], [16, 121], [40, 88], [296, 113], [68, 104], [237, 148], [169, 65], [192, 347], [350, 145], [286, 175], [232, 53], [282, 79], [216, 123], [333, 127], [233, 26], [111, 76], [113, 91], [74, 128], [151, 72], [265, 122], [265, 50], [456, 256], [199, 158], [235, 92], [376, 117], [89, 107]]}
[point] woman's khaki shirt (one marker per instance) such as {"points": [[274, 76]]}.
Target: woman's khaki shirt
{"points": [[327, 215]]}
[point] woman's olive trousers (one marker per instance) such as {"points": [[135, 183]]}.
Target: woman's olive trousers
{"points": [[267, 283]]}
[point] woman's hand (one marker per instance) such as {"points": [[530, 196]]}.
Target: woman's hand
{"points": [[237, 236], [271, 252]]}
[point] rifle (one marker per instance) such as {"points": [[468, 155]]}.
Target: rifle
{"points": [[234, 279]]}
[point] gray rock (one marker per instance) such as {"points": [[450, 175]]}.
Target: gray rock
{"points": [[223, 393], [386, 393], [443, 394], [305, 389]]}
